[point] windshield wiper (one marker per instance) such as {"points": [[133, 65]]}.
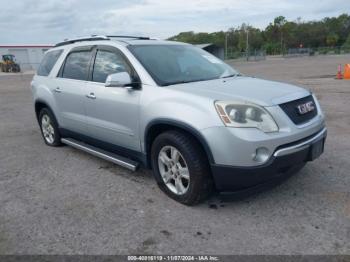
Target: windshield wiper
{"points": [[186, 81], [232, 75], [199, 80]]}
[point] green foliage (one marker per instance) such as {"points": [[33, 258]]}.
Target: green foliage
{"points": [[279, 35], [217, 38], [332, 39], [346, 45]]}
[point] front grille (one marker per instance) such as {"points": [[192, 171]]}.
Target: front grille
{"points": [[291, 109]]}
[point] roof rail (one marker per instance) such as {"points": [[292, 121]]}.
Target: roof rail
{"points": [[80, 39], [99, 37], [129, 36]]}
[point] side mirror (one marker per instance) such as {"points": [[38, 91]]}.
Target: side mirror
{"points": [[121, 79]]}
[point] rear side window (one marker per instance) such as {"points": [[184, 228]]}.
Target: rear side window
{"points": [[107, 63], [48, 62], [77, 65]]}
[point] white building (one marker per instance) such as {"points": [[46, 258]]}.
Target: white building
{"points": [[28, 56]]}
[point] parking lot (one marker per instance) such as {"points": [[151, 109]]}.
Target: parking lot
{"points": [[63, 201]]}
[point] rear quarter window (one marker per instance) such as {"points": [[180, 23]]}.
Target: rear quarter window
{"points": [[48, 62]]}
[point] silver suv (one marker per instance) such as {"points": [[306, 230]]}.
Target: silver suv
{"points": [[196, 122]]}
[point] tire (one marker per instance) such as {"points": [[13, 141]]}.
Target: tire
{"points": [[189, 186], [49, 128]]}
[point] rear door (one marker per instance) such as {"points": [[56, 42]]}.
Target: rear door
{"points": [[112, 112], [70, 88]]}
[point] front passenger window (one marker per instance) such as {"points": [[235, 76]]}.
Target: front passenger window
{"points": [[107, 63], [77, 65]]}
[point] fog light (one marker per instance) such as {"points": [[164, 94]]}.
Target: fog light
{"points": [[261, 155]]}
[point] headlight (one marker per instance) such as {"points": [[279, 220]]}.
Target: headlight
{"points": [[241, 114]]}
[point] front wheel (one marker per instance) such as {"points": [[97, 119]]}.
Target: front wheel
{"points": [[181, 167]]}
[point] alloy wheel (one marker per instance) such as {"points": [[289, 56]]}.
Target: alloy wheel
{"points": [[47, 128], [174, 170]]}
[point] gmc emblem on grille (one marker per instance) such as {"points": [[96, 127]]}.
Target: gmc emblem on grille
{"points": [[306, 108]]}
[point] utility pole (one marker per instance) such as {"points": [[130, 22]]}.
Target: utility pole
{"points": [[282, 42], [226, 36], [247, 47]]}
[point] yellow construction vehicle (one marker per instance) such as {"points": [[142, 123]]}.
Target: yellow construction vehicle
{"points": [[8, 64]]}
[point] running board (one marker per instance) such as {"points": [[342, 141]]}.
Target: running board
{"points": [[114, 158]]}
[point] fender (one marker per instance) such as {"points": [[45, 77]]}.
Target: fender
{"points": [[181, 125], [42, 94], [46, 105]]}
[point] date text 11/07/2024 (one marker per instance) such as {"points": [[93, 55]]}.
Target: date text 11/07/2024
{"points": [[173, 258]]}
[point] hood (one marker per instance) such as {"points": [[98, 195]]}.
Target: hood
{"points": [[258, 91]]}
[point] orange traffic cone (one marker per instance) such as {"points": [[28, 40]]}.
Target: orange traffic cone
{"points": [[347, 71], [339, 74]]}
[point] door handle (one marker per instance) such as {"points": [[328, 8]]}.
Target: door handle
{"points": [[91, 96], [58, 90]]}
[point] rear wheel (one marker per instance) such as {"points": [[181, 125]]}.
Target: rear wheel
{"points": [[49, 128], [181, 167], [16, 68]]}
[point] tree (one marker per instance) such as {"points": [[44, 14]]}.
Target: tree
{"points": [[346, 45], [280, 21], [332, 40], [279, 35]]}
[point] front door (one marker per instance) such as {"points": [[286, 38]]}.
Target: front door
{"points": [[112, 112]]}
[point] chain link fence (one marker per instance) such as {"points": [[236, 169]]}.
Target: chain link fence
{"points": [[299, 52], [260, 55], [254, 55]]}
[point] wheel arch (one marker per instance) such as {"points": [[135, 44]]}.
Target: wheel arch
{"points": [[156, 127], [39, 105]]}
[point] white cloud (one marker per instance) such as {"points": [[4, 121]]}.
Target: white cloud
{"points": [[53, 20]]}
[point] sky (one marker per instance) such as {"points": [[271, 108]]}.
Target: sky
{"points": [[51, 21]]}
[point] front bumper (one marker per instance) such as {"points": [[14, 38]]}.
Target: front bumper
{"points": [[284, 159]]}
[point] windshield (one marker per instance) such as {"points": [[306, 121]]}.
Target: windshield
{"points": [[175, 64]]}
